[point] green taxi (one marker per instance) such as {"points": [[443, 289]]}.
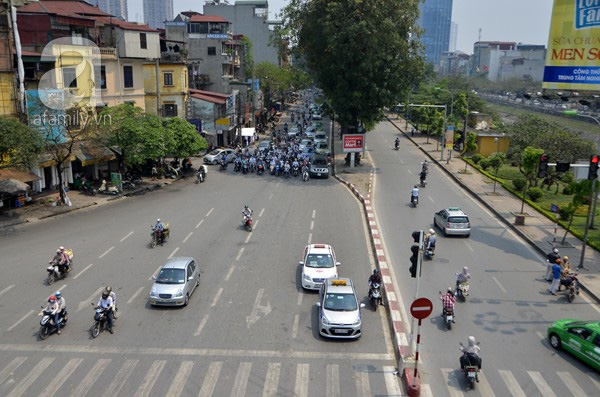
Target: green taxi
{"points": [[578, 337]]}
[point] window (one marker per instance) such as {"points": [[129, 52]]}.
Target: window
{"points": [[170, 110], [168, 78], [128, 76], [69, 78], [212, 50], [103, 77], [143, 43]]}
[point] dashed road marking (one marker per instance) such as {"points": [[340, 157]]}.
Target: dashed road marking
{"points": [[430, 198], [202, 324], [62, 287], [499, 285], [248, 237], [7, 289], [309, 238], [127, 235], [216, 298], [82, 270], [155, 273], [261, 212], [300, 296], [199, 223], [314, 213], [209, 212], [237, 258], [135, 295], [188, 236], [210, 381], [29, 313], [173, 253], [295, 327], [270, 196], [106, 252], [86, 302], [312, 225], [231, 269], [469, 246]]}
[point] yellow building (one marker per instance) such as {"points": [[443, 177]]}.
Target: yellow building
{"points": [[489, 142], [172, 85]]}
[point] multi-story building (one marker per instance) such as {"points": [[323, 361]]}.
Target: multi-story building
{"points": [[435, 20], [157, 12], [455, 63], [251, 19], [526, 62], [118, 8], [217, 113], [453, 41], [486, 57]]}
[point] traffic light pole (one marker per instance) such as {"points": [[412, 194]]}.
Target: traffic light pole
{"points": [[587, 223], [413, 326]]}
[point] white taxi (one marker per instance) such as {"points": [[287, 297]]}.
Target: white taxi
{"points": [[318, 264]]}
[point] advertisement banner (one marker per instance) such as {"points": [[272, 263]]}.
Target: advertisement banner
{"points": [[353, 143], [573, 56], [449, 137]]}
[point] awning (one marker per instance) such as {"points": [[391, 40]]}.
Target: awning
{"points": [[19, 175], [248, 131], [47, 160], [89, 154]]}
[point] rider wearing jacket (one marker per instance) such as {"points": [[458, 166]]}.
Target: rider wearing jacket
{"points": [[54, 308], [375, 277], [430, 240], [414, 194], [472, 354], [448, 300], [107, 304]]}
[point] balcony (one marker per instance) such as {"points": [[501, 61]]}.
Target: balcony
{"points": [[108, 52]]}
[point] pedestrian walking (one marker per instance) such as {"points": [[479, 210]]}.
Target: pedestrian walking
{"points": [[556, 271], [154, 173], [551, 259]]}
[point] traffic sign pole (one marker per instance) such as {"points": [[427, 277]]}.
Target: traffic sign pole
{"points": [[420, 309], [417, 353], [419, 265]]}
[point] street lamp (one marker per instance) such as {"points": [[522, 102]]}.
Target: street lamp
{"points": [[588, 224]]}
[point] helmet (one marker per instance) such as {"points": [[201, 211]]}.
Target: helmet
{"points": [[58, 251], [58, 294], [555, 250], [415, 185], [450, 290], [52, 298], [245, 207], [565, 258], [61, 248], [465, 269], [375, 271], [104, 294], [108, 289], [431, 231]]}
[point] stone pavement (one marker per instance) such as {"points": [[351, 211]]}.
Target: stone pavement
{"points": [[538, 230]]}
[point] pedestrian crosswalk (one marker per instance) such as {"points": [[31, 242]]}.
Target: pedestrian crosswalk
{"points": [[47, 375], [506, 383]]}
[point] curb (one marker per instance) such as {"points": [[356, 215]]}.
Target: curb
{"points": [[480, 199], [400, 339]]}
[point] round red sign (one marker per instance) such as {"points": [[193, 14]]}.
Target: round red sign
{"points": [[421, 308]]}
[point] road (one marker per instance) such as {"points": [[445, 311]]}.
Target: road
{"points": [[509, 308], [249, 329]]}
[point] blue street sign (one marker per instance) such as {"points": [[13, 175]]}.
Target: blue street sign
{"points": [[554, 208]]}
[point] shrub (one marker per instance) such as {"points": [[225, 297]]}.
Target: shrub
{"points": [[484, 164], [519, 184], [476, 158], [535, 193], [567, 177]]}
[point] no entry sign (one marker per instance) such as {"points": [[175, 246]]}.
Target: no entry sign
{"points": [[421, 308], [353, 143]]}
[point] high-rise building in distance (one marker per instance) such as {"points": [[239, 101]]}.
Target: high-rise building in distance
{"points": [[435, 18], [117, 8], [453, 37], [156, 12]]}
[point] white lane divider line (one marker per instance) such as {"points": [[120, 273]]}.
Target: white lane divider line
{"points": [[216, 298], [188, 236], [309, 238], [173, 253], [592, 304], [312, 225], [541, 384], [295, 327], [86, 302], [7, 289], [300, 296], [201, 326], [499, 285], [62, 287], [409, 171], [270, 196], [540, 335], [572, 384], [29, 313], [469, 246], [155, 273], [278, 183], [127, 235], [430, 198], [135, 295], [314, 214], [83, 270], [512, 384], [199, 223], [231, 269], [248, 238], [106, 252], [209, 212], [261, 212], [237, 258]]}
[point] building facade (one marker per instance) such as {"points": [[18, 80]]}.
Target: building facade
{"points": [[455, 63], [118, 8], [486, 57], [156, 12], [435, 20]]}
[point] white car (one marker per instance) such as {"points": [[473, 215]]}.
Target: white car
{"points": [[318, 264], [214, 157], [293, 131], [317, 116], [320, 137], [322, 148], [306, 143]]}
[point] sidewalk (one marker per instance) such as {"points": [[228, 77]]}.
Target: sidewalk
{"points": [[538, 230]]}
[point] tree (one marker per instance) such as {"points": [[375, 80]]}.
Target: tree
{"points": [[581, 190], [365, 55], [248, 58], [530, 159], [185, 140], [20, 144], [470, 145]]}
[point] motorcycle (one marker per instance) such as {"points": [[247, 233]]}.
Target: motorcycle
{"points": [[247, 223], [108, 189], [430, 252], [375, 295], [88, 190], [305, 176], [223, 166], [128, 185], [100, 321], [414, 200], [396, 145], [260, 169], [286, 172], [448, 315], [55, 272], [155, 238], [237, 167], [47, 325], [272, 169], [245, 168], [471, 371], [462, 291], [277, 170], [200, 176], [572, 283], [295, 171]]}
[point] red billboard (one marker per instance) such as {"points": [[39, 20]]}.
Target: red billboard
{"points": [[353, 143]]}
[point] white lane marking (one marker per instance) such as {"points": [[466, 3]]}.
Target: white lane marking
{"points": [[212, 376], [150, 378], [572, 384], [180, 378], [469, 246], [216, 298], [11, 368], [188, 236], [83, 270], [512, 384], [300, 296], [209, 212], [62, 287], [86, 384], [202, 324], [86, 302], [295, 327], [29, 313], [391, 381], [155, 272], [277, 184], [199, 223], [272, 380], [451, 382], [119, 380], [309, 238], [592, 304], [409, 171], [363, 388], [301, 386], [173, 253], [270, 196], [31, 377], [332, 380], [248, 238], [312, 225], [106, 252], [541, 384], [237, 258], [430, 198], [314, 213], [499, 285], [127, 235], [241, 380], [594, 381], [135, 295], [540, 335], [401, 161], [261, 212], [484, 386], [425, 391], [231, 269], [7, 289]]}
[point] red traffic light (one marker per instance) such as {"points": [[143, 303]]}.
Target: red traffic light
{"points": [[594, 159]]}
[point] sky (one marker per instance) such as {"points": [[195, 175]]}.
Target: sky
{"points": [[522, 21]]}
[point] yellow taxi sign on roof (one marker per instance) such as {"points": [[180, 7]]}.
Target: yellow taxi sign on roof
{"points": [[338, 282]]}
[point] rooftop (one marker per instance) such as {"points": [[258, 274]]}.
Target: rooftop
{"points": [[208, 18]]}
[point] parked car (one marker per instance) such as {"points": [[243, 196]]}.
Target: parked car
{"points": [[214, 157], [175, 282]]}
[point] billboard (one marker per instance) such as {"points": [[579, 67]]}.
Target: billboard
{"points": [[353, 143], [573, 57]]}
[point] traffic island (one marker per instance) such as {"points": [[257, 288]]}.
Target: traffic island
{"points": [[413, 389]]}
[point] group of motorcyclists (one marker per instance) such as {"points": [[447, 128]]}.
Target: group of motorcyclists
{"points": [[560, 273]]}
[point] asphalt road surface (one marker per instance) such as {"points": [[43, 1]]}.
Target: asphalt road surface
{"points": [[509, 308]]}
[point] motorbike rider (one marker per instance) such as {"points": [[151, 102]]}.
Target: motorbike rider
{"points": [[159, 229], [106, 303], [247, 213], [448, 300], [397, 143], [463, 276], [552, 257], [111, 293], [201, 174], [54, 309], [414, 194], [430, 240], [375, 278], [422, 176], [425, 166], [472, 354]]}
